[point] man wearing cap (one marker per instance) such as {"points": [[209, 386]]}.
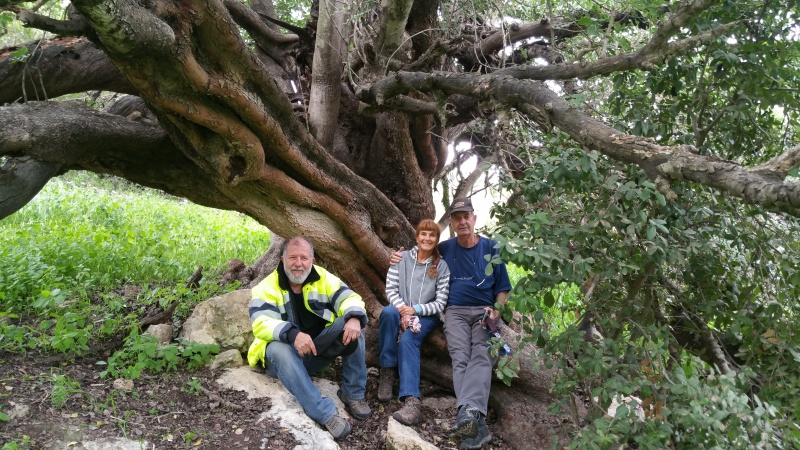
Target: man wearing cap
{"points": [[303, 317], [472, 292]]}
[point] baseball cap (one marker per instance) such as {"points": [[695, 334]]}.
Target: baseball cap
{"points": [[461, 204]]}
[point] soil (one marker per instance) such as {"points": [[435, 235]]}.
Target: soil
{"points": [[175, 410]]}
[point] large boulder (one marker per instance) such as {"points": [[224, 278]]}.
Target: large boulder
{"points": [[283, 406], [222, 320]]}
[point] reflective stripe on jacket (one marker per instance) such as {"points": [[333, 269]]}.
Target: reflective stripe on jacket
{"points": [[324, 295]]}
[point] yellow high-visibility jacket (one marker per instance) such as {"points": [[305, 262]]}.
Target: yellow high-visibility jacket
{"points": [[324, 295]]}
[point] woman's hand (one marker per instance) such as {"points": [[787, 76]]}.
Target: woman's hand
{"points": [[406, 310]]}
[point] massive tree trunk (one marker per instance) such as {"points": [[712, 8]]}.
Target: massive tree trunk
{"points": [[334, 130]]}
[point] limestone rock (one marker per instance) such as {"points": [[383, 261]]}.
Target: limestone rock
{"points": [[121, 384], [401, 437], [18, 411], [221, 320], [73, 437], [115, 443], [284, 408], [162, 332], [228, 358]]}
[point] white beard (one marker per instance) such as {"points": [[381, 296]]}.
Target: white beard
{"points": [[294, 279]]}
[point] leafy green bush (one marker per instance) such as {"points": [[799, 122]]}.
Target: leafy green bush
{"points": [[143, 353], [696, 301]]}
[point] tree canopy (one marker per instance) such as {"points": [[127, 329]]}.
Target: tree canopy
{"points": [[646, 151]]}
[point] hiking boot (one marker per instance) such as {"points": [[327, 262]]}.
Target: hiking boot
{"points": [[386, 384], [466, 424], [358, 407], [338, 427], [482, 438], [410, 412]]}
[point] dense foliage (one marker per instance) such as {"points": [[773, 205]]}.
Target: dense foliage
{"points": [[696, 303], [695, 299]]}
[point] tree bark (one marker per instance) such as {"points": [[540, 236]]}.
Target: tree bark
{"points": [[21, 179], [323, 105], [64, 65]]}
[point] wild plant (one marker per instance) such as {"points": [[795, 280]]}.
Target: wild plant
{"points": [[144, 353], [61, 388]]}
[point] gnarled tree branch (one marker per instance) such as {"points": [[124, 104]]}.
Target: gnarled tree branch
{"points": [[59, 66], [664, 164], [75, 26]]}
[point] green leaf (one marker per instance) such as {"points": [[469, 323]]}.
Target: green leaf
{"points": [[549, 300], [651, 232]]}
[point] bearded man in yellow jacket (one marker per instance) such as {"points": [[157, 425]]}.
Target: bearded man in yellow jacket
{"points": [[303, 317]]}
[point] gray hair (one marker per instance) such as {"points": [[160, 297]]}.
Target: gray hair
{"points": [[295, 239]]}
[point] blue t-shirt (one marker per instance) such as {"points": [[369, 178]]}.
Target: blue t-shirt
{"points": [[469, 285]]}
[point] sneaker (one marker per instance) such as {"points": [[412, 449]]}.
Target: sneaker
{"points": [[358, 407], [386, 384], [410, 412], [338, 427], [466, 424], [480, 439]]}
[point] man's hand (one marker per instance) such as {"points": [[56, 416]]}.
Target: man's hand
{"points": [[352, 330], [304, 344], [396, 256]]}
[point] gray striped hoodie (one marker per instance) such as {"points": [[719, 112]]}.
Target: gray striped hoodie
{"points": [[408, 283]]}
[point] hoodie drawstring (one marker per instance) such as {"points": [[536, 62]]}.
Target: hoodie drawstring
{"points": [[411, 285]]}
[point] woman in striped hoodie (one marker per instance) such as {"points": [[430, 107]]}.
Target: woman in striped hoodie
{"points": [[417, 289]]}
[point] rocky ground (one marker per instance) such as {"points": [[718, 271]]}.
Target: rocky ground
{"points": [[60, 406]]}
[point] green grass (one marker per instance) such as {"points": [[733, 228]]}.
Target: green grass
{"points": [[69, 257], [83, 233]]}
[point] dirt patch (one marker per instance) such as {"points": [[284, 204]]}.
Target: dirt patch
{"points": [[176, 410]]}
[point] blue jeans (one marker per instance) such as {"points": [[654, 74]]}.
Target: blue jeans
{"points": [[403, 353], [294, 372]]}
